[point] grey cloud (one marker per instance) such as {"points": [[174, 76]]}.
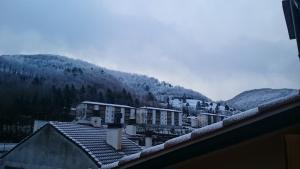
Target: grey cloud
{"points": [[217, 47]]}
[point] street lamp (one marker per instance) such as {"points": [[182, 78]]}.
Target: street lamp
{"points": [[291, 9]]}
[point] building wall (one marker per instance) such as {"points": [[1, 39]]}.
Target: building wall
{"points": [[158, 117], [47, 149], [267, 152], [163, 117]]}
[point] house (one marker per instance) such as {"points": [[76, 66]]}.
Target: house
{"points": [[87, 109], [266, 137], [158, 116], [69, 145]]}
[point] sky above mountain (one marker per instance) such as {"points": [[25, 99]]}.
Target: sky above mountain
{"points": [[219, 48]]}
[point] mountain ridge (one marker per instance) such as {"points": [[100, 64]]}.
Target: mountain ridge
{"points": [[69, 69], [252, 98]]}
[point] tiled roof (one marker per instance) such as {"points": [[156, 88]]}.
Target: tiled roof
{"points": [[210, 129], [93, 141]]}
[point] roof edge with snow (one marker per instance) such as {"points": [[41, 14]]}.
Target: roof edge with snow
{"points": [[207, 131]]}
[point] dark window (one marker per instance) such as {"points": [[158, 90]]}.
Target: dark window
{"points": [[127, 115], [102, 110], [90, 110], [157, 117], [90, 107], [209, 120], [149, 117], [176, 118], [117, 110], [169, 118]]}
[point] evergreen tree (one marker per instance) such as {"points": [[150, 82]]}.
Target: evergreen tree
{"points": [[226, 107], [73, 94], [198, 105], [67, 96], [184, 98], [109, 96], [100, 97], [82, 93], [136, 102]]}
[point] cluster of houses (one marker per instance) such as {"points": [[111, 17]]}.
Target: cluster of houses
{"points": [[103, 136], [199, 113]]}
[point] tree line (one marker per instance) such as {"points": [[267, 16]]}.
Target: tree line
{"points": [[55, 103]]}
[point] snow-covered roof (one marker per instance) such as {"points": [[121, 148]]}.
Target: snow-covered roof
{"points": [[161, 109], [106, 104], [209, 130], [93, 141]]}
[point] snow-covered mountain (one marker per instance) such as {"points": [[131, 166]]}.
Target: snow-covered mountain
{"points": [[60, 70], [161, 90], [253, 98]]}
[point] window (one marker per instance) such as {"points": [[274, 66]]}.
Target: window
{"points": [[102, 113], [176, 119], [127, 115], [169, 118], [149, 117], [157, 117]]}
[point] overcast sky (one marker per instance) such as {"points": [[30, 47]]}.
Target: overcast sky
{"points": [[216, 47]]}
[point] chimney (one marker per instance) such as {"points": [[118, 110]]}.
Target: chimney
{"points": [[114, 132], [148, 139], [131, 127]]}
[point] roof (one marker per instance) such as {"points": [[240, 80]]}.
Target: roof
{"points": [[92, 141], [162, 109], [106, 104], [261, 117]]}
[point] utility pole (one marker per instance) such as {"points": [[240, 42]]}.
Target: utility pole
{"points": [[291, 9]]}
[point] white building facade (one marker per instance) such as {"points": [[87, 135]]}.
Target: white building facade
{"points": [[158, 116], [85, 110]]}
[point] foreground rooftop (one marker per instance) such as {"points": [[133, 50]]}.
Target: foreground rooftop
{"points": [[262, 119]]}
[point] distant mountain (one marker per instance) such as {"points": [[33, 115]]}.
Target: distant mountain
{"points": [[58, 70], [44, 71], [253, 98]]}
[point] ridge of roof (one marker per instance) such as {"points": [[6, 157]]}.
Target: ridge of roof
{"points": [[199, 133]]}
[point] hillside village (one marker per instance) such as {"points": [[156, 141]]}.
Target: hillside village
{"points": [[116, 130]]}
